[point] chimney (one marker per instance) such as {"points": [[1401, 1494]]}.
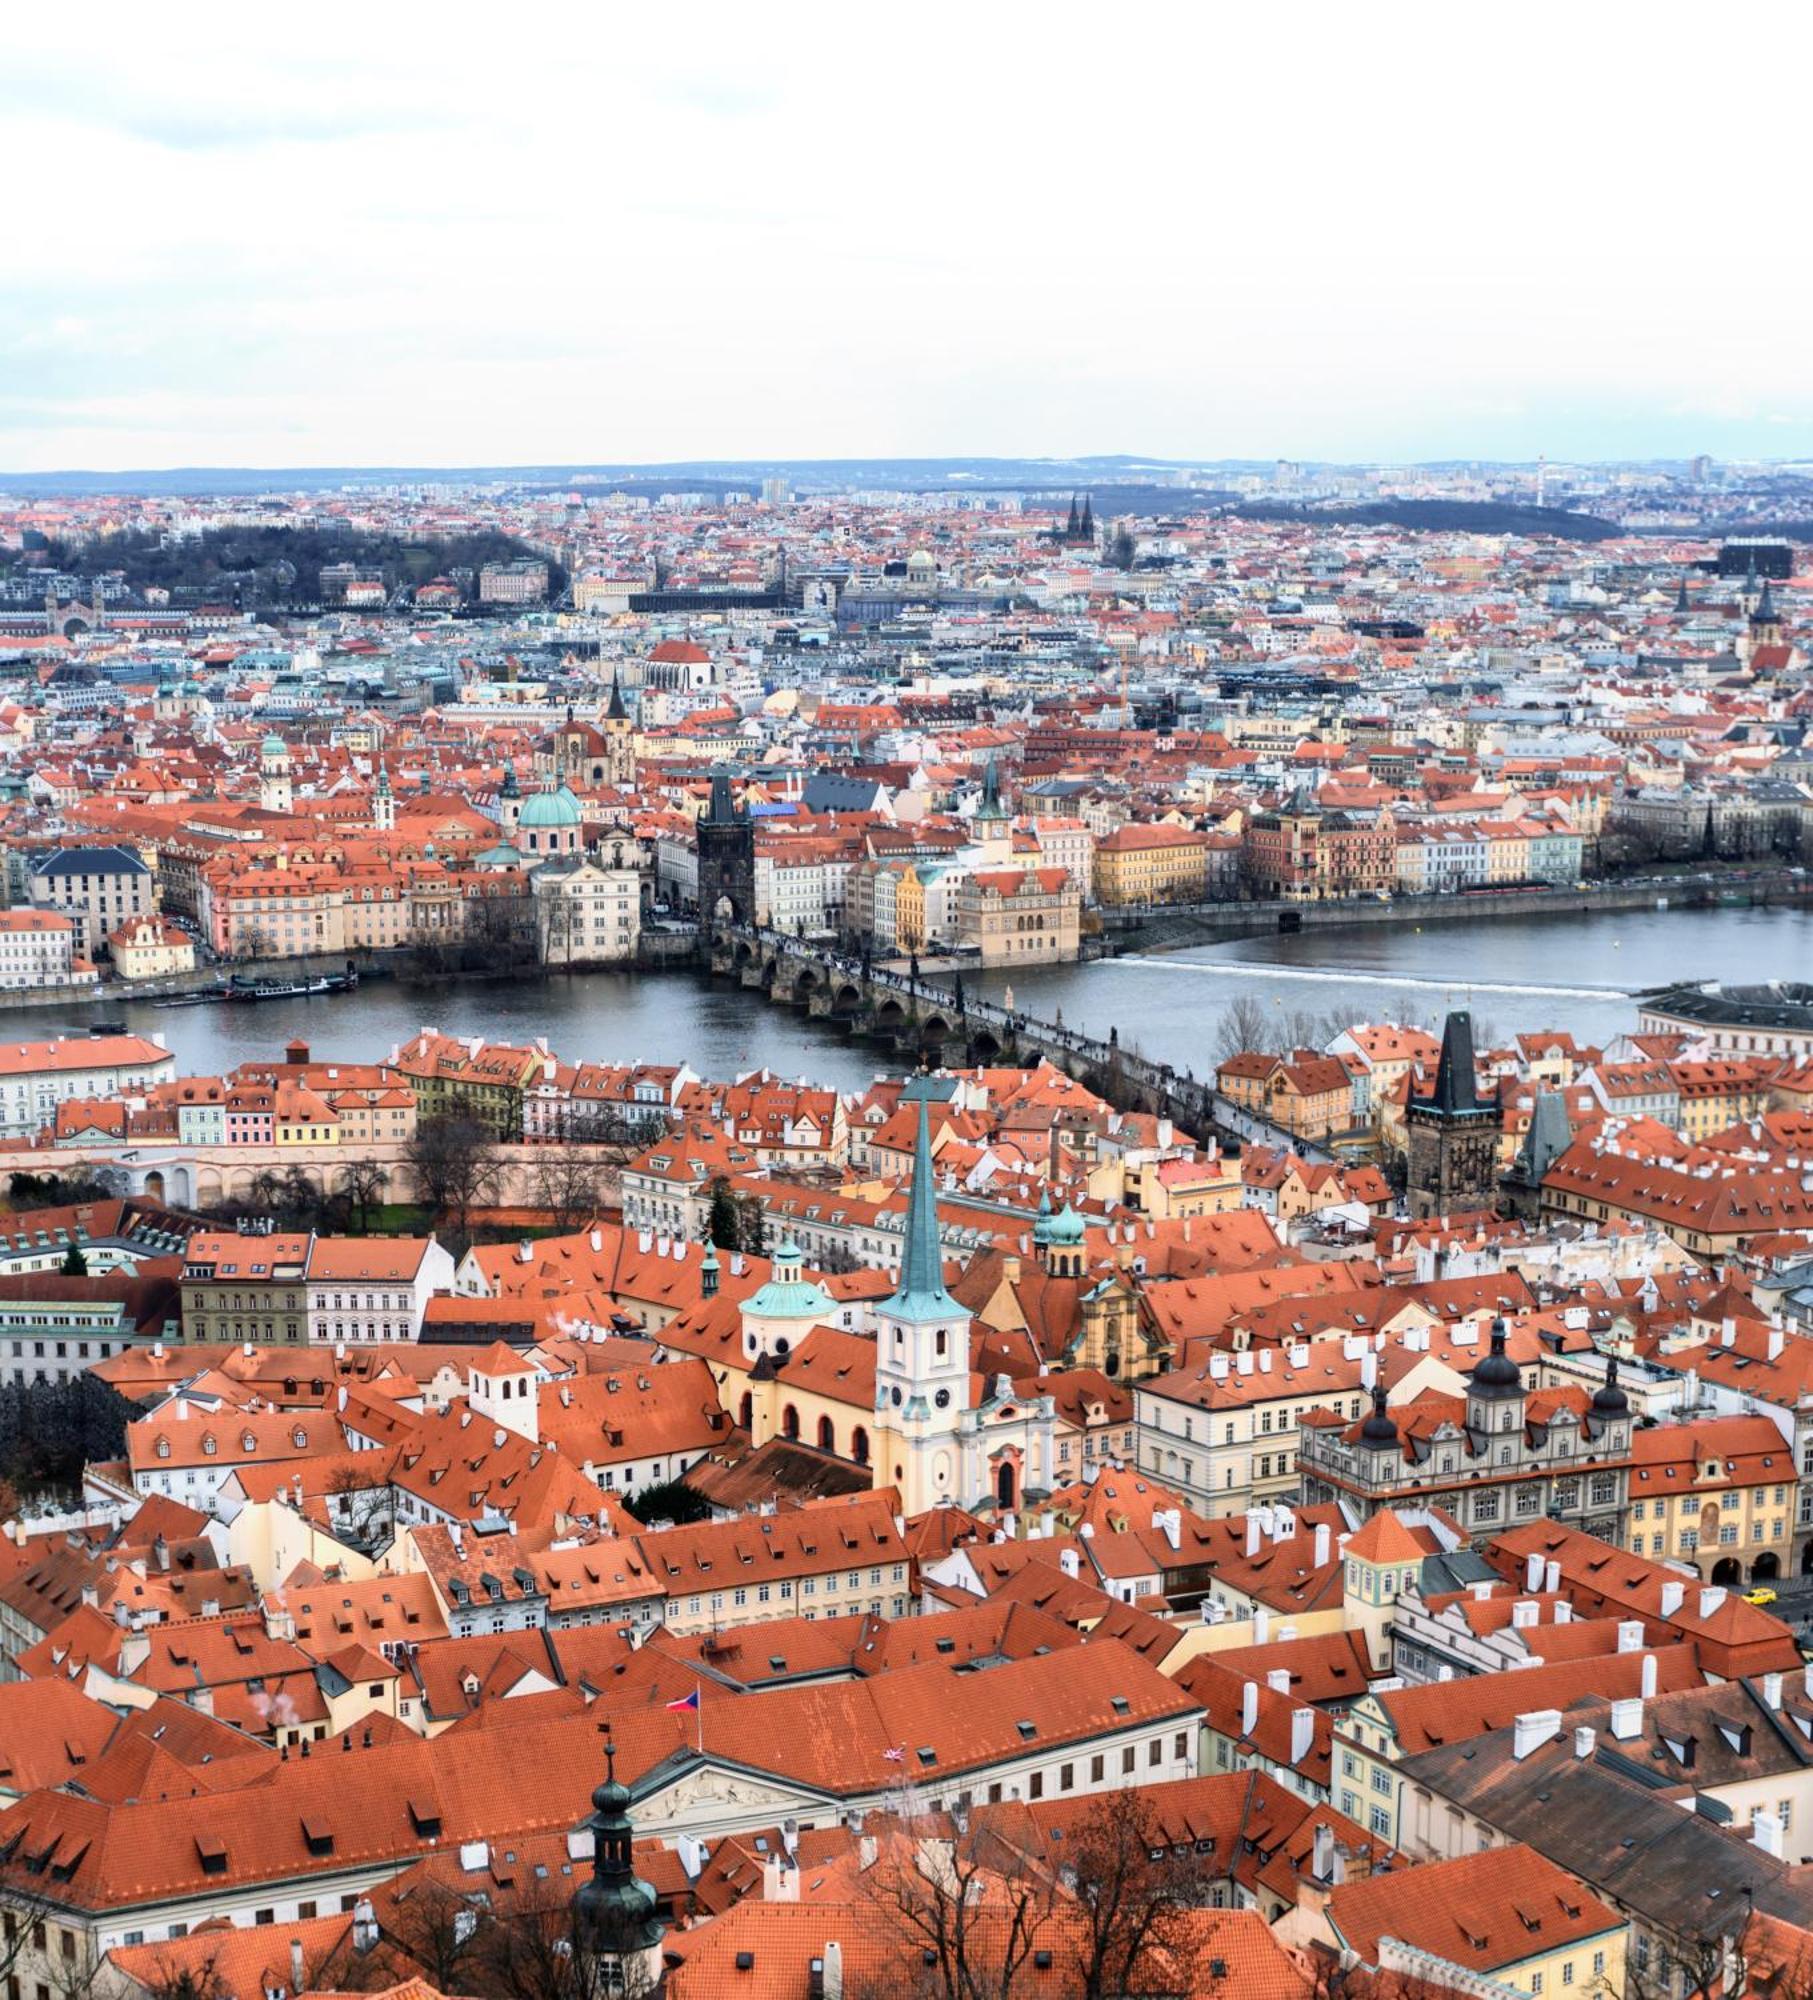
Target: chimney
{"points": [[834, 1971], [1262, 1625], [1648, 1674], [1322, 1858], [1627, 1719], [1673, 1591], [1772, 1690], [1530, 1732], [1551, 1577], [1321, 1561], [365, 1925], [780, 1879], [298, 1979], [1778, 1339], [1279, 1680], [1303, 1733], [1252, 1535], [1249, 1708], [1533, 1572], [1630, 1635], [1711, 1597], [1169, 1523], [1524, 1613], [1584, 1739], [1070, 1562], [1766, 1832]]}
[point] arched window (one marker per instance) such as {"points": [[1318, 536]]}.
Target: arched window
{"points": [[827, 1435], [746, 1411], [790, 1422], [859, 1449]]}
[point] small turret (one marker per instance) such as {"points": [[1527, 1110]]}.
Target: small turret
{"points": [[1378, 1429], [1609, 1400]]}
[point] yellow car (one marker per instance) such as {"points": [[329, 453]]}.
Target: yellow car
{"points": [[1762, 1594]]}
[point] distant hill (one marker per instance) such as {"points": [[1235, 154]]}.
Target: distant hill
{"points": [[1449, 517], [690, 475], [269, 568]]}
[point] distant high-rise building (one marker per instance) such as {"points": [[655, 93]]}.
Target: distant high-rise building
{"points": [[1699, 470], [776, 491], [1753, 556]]}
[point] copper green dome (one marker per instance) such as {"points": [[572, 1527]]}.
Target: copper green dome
{"points": [[552, 809], [789, 1293]]}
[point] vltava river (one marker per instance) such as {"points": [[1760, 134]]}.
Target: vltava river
{"points": [[1537, 972]]}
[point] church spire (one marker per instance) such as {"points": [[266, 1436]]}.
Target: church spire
{"points": [[990, 807], [616, 712], [921, 1294], [614, 1911]]}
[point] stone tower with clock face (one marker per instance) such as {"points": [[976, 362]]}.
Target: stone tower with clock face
{"points": [[922, 1346]]}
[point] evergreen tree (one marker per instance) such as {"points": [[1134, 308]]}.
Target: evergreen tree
{"points": [[74, 1265], [724, 1223]]}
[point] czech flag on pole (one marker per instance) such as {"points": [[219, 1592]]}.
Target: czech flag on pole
{"points": [[688, 1702]]}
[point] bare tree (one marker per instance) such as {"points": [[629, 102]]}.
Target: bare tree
{"points": [[1244, 1025], [970, 1907], [363, 1183], [182, 1979], [1136, 1900], [559, 928], [569, 1184], [534, 1949], [362, 1510], [438, 1927], [455, 1165]]}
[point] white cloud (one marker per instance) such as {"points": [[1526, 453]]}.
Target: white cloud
{"points": [[385, 234]]}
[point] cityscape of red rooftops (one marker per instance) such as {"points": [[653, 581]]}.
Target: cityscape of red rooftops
{"points": [[804, 1198]]}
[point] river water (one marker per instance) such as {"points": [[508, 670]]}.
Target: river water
{"points": [[1573, 972]]}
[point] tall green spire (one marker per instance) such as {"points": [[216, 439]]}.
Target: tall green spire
{"points": [[921, 1294], [991, 807]]}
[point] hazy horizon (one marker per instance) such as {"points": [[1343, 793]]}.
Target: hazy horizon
{"points": [[1394, 238]]}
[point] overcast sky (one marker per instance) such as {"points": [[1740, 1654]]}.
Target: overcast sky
{"points": [[399, 234]]}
